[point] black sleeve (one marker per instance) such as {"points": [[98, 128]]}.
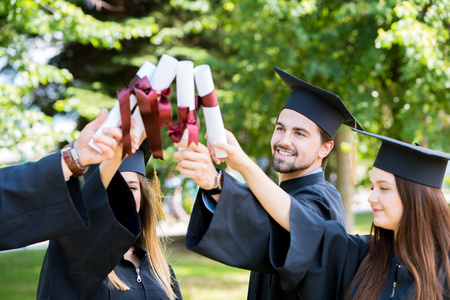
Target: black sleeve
{"points": [[37, 204], [77, 264], [317, 257], [237, 234]]}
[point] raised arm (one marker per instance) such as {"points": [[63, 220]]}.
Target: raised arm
{"points": [[37, 203], [274, 200]]}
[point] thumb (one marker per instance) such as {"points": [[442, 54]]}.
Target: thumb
{"points": [[94, 125], [223, 146]]}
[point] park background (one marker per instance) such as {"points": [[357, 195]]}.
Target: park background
{"points": [[61, 62]]}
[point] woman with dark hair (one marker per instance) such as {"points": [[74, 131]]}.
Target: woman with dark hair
{"points": [[120, 256], [406, 256], [418, 239]]}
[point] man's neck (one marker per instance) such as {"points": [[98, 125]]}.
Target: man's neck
{"points": [[297, 174]]}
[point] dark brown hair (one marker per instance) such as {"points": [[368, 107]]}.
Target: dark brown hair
{"points": [[325, 138], [422, 245]]}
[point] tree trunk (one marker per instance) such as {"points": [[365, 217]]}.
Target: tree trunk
{"points": [[343, 183]]}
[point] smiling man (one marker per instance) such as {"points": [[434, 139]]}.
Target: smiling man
{"points": [[235, 230]]}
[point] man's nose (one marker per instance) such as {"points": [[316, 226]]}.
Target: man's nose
{"points": [[286, 139]]}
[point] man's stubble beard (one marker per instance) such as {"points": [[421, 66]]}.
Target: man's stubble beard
{"points": [[283, 167]]}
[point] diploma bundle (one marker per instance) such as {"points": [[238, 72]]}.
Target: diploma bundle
{"points": [[146, 100]]}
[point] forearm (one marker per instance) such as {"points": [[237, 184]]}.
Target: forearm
{"points": [[66, 171], [107, 170], [274, 200]]}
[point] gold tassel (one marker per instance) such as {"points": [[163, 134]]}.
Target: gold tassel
{"points": [[353, 160], [156, 186]]}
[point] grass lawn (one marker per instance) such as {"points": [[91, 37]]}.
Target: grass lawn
{"points": [[200, 278], [19, 274], [203, 279]]}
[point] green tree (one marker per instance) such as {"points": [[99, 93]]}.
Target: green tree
{"points": [[388, 60], [32, 89]]}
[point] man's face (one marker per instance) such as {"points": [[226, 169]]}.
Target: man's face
{"points": [[296, 144]]}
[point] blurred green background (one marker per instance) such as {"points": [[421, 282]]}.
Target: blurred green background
{"points": [[61, 62]]}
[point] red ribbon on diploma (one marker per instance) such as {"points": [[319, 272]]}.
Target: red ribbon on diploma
{"points": [[155, 111], [123, 96], [186, 121], [209, 100]]}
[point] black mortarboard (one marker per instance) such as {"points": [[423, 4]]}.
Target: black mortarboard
{"points": [[320, 106], [411, 162], [138, 162]]}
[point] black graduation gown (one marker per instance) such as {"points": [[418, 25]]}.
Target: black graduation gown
{"points": [[238, 233], [75, 265], [321, 259], [147, 288], [36, 203]]}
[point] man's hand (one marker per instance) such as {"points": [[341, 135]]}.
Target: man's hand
{"points": [[237, 159], [195, 163], [110, 143], [107, 144]]}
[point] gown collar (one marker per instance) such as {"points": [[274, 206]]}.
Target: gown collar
{"points": [[296, 183]]}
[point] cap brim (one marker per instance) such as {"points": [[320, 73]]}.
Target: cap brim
{"points": [[410, 147]]}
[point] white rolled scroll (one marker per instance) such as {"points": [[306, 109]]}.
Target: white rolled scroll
{"points": [[213, 116], [165, 73], [137, 114], [185, 88], [113, 119]]}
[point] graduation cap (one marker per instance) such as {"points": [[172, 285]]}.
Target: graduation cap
{"points": [[320, 106], [139, 161], [137, 164], [409, 161]]}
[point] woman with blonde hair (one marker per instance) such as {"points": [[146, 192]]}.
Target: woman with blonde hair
{"points": [[120, 256]]}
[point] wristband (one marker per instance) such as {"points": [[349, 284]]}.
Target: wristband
{"points": [[219, 180], [217, 189], [70, 156]]}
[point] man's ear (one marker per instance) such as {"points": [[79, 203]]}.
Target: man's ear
{"points": [[325, 149]]}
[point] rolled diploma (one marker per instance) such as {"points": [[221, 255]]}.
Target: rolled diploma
{"points": [[213, 117], [150, 70], [165, 73], [185, 88], [160, 78], [113, 119]]}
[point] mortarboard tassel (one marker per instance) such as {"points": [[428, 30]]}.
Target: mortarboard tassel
{"points": [[156, 186], [353, 160]]}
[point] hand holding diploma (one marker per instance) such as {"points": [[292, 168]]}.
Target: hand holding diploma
{"points": [[147, 97], [261, 185], [123, 107], [195, 163]]}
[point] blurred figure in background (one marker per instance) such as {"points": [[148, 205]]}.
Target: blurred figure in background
{"points": [[173, 200]]}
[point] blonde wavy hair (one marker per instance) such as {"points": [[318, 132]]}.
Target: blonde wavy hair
{"points": [[154, 245]]}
